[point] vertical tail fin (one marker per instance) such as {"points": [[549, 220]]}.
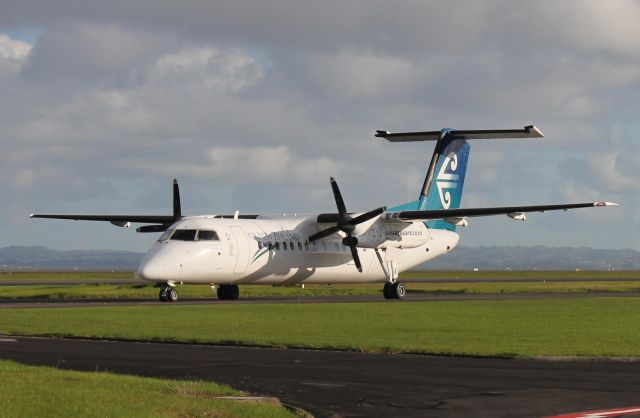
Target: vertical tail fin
{"points": [[443, 185], [442, 188]]}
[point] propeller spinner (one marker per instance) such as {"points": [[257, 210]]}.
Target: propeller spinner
{"points": [[346, 224]]}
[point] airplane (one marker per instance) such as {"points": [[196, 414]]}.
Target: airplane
{"points": [[226, 251]]}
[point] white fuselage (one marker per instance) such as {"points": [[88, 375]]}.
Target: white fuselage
{"points": [[275, 250]]}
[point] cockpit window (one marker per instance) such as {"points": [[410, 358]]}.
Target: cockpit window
{"points": [[184, 235], [189, 235], [207, 236]]}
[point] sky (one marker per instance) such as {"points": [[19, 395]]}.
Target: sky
{"points": [[253, 105]]}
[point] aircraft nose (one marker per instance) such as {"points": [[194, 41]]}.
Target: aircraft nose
{"points": [[155, 269]]}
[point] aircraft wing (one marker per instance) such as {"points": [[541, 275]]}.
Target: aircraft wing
{"points": [[160, 222], [143, 219], [431, 215]]}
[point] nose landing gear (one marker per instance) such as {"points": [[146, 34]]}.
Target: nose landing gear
{"points": [[394, 290], [168, 294]]}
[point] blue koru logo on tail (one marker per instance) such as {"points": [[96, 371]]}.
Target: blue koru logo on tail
{"points": [[447, 180]]}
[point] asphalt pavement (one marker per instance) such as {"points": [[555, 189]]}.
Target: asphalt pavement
{"points": [[352, 384]]}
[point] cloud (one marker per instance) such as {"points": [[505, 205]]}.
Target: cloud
{"points": [[83, 54], [360, 75], [14, 54], [269, 100], [232, 71], [256, 165]]}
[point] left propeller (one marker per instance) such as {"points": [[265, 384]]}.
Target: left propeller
{"points": [[346, 224]]}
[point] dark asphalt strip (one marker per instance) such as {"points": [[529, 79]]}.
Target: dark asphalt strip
{"points": [[351, 384]]}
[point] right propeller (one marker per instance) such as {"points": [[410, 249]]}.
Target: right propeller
{"points": [[346, 224]]}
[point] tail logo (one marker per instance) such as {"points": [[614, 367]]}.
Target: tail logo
{"points": [[447, 180]]}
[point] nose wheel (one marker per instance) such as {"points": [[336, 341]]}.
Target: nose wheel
{"points": [[168, 294], [395, 290]]}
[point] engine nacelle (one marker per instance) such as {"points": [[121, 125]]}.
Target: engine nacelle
{"points": [[517, 216], [394, 235]]}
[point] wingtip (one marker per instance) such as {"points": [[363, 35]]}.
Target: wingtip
{"points": [[32, 215], [537, 133], [606, 204]]}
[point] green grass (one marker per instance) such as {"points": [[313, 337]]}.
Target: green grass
{"points": [[560, 327], [410, 275], [97, 291], [27, 391], [65, 275], [523, 275]]}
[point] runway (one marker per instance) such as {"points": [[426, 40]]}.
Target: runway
{"points": [[350, 384], [415, 296]]}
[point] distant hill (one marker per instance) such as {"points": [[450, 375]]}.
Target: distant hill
{"points": [[28, 258], [461, 258], [536, 257]]}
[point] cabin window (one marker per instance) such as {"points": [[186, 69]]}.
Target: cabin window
{"points": [[259, 245], [299, 246], [284, 246], [184, 235], [306, 246], [207, 236], [270, 245], [291, 247], [277, 246]]}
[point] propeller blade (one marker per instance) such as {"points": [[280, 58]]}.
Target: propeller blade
{"points": [[342, 210], [350, 241], [356, 258], [324, 233], [366, 216], [177, 210]]}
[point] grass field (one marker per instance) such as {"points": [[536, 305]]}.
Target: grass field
{"points": [[124, 291], [27, 391], [539, 327], [72, 276]]}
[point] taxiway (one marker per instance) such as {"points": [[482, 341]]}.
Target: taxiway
{"points": [[352, 384]]}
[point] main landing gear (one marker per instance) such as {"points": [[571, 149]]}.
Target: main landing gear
{"points": [[394, 290], [168, 294], [228, 292]]}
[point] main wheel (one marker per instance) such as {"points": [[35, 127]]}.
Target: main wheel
{"points": [[164, 294], [172, 295], [222, 292], [399, 291], [234, 292], [387, 291], [228, 292]]}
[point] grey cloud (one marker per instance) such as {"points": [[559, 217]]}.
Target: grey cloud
{"points": [[105, 54], [119, 96]]}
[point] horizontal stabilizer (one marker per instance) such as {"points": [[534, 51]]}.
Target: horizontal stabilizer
{"points": [[443, 214], [527, 132]]}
